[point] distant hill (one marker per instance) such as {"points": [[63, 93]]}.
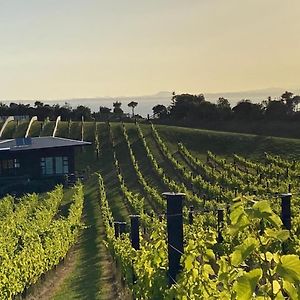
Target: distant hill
{"points": [[254, 95]]}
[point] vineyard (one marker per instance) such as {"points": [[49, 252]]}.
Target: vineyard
{"points": [[231, 244], [228, 228], [34, 238]]}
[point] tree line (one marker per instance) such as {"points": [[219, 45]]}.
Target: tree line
{"points": [[192, 109], [187, 109], [43, 111]]}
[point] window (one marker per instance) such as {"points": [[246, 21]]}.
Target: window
{"points": [[9, 166], [54, 165], [43, 166], [16, 163], [49, 165], [58, 165], [65, 165]]}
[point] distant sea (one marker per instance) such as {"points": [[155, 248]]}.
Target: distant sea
{"points": [[146, 103], [144, 107]]}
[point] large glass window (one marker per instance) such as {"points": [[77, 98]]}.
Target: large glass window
{"points": [[58, 165], [54, 165], [49, 165]]}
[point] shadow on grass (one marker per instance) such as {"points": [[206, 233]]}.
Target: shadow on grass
{"points": [[86, 283]]}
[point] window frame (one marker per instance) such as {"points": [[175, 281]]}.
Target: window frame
{"points": [[57, 162]]}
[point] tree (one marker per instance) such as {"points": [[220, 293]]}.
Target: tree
{"points": [[82, 111], [275, 110], [286, 96], [65, 111], [117, 108], [4, 109], [104, 110], [296, 100], [245, 110], [204, 110], [223, 108], [160, 111], [103, 114], [288, 99], [38, 104], [183, 105], [223, 103], [132, 104]]}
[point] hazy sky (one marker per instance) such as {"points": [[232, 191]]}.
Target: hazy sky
{"points": [[88, 48]]}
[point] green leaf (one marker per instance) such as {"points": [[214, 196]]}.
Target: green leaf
{"points": [[210, 254], [291, 290], [276, 286], [208, 269], [274, 220], [195, 273], [263, 210], [269, 256], [242, 251], [289, 268], [281, 235], [245, 285], [236, 214], [188, 262], [240, 225], [279, 296]]}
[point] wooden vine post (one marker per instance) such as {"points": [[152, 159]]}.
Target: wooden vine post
{"points": [[135, 231], [117, 229], [175, 233], [122, 227], [135, 238], [286, 210], [286, 216]]}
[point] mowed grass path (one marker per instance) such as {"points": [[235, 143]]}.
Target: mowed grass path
{"points": [[91, 275]]}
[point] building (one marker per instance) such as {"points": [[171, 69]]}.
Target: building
{"points": [[33, 159]]}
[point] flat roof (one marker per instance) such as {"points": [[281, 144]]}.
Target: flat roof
{"points": [[24, 144]]}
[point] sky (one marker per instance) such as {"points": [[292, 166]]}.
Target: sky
{"points": [[55, 49]]}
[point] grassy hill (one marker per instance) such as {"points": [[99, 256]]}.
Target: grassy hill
{"points": [[226, 143], [197, 140]]}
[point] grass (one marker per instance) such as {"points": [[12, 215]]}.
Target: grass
{"points": [[89, 131], [9, 130], [62, 129], [92, 277], [15, 129], [75, 131], [225, 143], [20, 129], [144, 163], [168, 169], [87, 280], [115, 198], [123, 157], [48, 129], [35, 129]]}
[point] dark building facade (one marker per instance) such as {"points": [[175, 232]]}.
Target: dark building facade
{"points": [[37, 158]]}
